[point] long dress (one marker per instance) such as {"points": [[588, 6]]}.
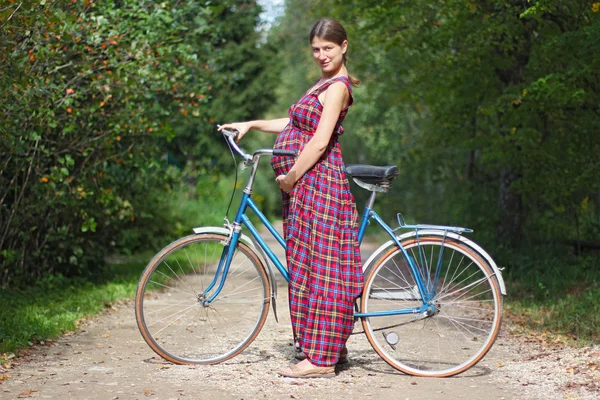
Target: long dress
{"points": [[320, 230]]}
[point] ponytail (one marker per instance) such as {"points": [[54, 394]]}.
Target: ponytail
{"points": [[353, 80]]}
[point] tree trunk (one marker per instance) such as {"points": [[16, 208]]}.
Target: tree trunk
{"points": [[471, 154], [510, 226]]}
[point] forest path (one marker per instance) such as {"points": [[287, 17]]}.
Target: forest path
{"points": [[107, 359]]}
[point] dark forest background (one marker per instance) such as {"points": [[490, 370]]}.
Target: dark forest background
{"points": [[490, 109]]}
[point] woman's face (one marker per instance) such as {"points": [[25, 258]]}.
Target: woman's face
{"points": [[328, 55]]}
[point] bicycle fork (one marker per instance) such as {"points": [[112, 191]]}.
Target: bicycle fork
{"points": [[230, 244]]}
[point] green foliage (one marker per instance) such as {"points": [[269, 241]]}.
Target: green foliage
{"points": [[486, 106], [553, 291], [94, 96], [56, 303], [490, 110]]}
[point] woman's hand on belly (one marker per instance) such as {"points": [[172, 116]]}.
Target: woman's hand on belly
{"points": [[285, 183]]}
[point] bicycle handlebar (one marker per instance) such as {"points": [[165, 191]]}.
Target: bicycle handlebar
{"points": [[231, 135]]}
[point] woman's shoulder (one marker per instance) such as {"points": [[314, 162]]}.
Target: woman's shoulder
{"points": [[342, 79], [340, 82], [340, 87]]}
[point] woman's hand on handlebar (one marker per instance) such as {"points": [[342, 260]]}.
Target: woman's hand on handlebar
{"points": [[241, 127]]}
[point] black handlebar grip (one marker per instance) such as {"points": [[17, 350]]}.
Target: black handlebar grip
{"points": [[284, 153]]}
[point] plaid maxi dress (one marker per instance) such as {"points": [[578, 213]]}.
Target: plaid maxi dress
{"points": [[320, 230]]}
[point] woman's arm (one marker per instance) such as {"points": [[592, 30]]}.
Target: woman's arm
{"points": [[269, 125], [265, 125], [335, 98]]}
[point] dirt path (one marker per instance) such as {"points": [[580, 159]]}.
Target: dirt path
{"points": [[108, 359]]}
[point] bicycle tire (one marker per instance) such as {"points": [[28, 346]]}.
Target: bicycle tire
{"points": [[468, 307], [170, 294]]}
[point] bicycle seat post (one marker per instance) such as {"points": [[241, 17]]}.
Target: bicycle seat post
{"points": [[371, 200]]}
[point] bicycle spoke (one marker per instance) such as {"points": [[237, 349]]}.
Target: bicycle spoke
{"points": [[457, 318], [458, 276], [391, 295], [166, 308], [448, 269], [464, 324], [431, 279], [183, 274], [448, 346], [466, 279], [212, 328], [234, 270], [455, 304], [469, 298], [240, 287], [169, 287], [238, 293], [177, 276], [190, 261], [453, 274], [401, 273], [469, 286], [183, 312]]}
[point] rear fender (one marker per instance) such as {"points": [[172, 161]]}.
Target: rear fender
{"points": [[432, 232]]}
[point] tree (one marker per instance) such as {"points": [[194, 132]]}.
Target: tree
{"points": [[487, 106]]}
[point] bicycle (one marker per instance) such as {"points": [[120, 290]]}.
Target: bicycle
{"points": [[431, 304]]}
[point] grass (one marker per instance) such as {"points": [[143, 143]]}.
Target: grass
{"points": [[571, 319], [56, 304], [556, 294]]}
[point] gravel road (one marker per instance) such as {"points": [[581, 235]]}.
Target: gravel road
{"points": [[107, 359]]}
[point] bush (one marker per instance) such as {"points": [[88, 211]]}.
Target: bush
{"points": [[94, 95]]}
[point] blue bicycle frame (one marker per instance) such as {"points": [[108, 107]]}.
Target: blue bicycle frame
{"points": [[242, 219], [427, 292]]}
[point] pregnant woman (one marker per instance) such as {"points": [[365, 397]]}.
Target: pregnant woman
{"points": [[319, 213]]}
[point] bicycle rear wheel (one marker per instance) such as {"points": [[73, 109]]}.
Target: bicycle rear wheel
{"points": [[170, 309], [466, 297]]}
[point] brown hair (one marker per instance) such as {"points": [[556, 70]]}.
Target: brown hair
{"points": [[331, 30]]}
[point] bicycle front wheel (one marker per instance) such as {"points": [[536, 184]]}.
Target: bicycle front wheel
{"points": [[465, 314], [171, 311]]}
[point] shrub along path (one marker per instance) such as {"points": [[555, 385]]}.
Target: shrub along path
{"points": [[107, 359]]}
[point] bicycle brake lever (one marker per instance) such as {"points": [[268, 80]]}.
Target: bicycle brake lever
{"points": [[230, 136], [230, 133]]}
